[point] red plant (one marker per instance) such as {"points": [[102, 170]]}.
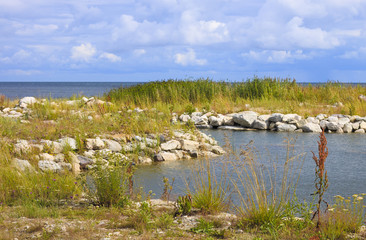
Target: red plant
{"points": [[321, 177]]}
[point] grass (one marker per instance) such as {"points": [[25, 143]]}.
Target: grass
{"points": [[274, 94]]}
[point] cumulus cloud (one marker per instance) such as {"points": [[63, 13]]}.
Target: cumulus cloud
{"points": [[111, 57], [36, 29], [276, 56], [139, 52], [83, 52], [188, 58]]}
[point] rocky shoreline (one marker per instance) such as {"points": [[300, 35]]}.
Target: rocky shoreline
{"points": [[249, 120]]}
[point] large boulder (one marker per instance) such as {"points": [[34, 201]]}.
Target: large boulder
{"points": [[216, 121], [54, 147], [21, 147], [333, 126], [184, 118], [311, 127], [276, 117], [68, 142], [84, 161], [245, 119], [363, 125], [258, 124], [284, 127], [291, 118], [112, 145], [170, 145], [46, 165], [24, 102], [94, 143], [23, 165], [168, 156], [347, 128], [189, 145]]}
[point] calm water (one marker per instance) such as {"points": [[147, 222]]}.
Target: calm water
{"points": [[346, 162], [58, 89]]}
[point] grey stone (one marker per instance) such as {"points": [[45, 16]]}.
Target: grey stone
{"points": [[84, 161], [332, 119], [321, 116], [168, 156], [343, 120], [54, 147], [170, 145], [311, 127], [46, 165], [189, 145], [46, 156], [360, 130], [264, 117], [284, 127], [94, 144], [112, 145], [179, 153], [228, 121], [323, 124], [333, 126], [275, 117], [245, 119], [184, 118], [291, 118], [216, 121], [144, 160], [312, 120], [218, 150], [234, 128], [356, 125], [363, 125], [59, 157], [258, 124], [23, 165], [158, 157], [301, 123], [193, 154], [21, 147]]}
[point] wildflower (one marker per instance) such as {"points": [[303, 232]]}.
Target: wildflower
{"points": [[347, 200], [331, 209], [363, 194], [359, 198], [76, 182], [53, 179], [339, 197], [355, 195]]}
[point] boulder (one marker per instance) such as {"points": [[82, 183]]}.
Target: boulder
{"points": [[323, 124], [284, 127], [189, 145], [46, 165], [363, 125], [23, 165], [22, 146], [342, 121], [332, 119], [321, 117], [27, 101], [179, 153], [59, 157], [85, 161], [276, 117], [228, 120], [356, 125], [67, 141], [333, 126], [54, 147], [301, 123], [184, 118], [218, 150], [360, 130], [112, 145], [158, 157], [312, 120], [94, 144], [245, 119], [289, 118], [264, 117], [311, 127], [168, 156], [170, 145], [46, 156], [144, 160], [75, 163], [347, 128], [258, 124], [216, 121]]}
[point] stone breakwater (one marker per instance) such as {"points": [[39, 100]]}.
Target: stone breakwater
{"points": [[249, 120]]}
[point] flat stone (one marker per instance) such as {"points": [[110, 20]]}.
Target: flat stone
{"points": [[23, 165], [170, 145], [276, 117], [94, 144], [168, 156], [189, 145], [112, 145], [284, 127], [261, 125], [67, 141], [360, 131], [234, 128], [46, 165], [245, 119], [311, 127]]}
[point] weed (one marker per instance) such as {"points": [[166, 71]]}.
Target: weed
{"points": [[167, 188]]}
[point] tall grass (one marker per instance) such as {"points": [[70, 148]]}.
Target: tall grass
{"points": [[228, 96]]}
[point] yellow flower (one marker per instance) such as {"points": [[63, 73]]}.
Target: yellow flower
{"points": [[331, 209], [355, 195], [339, 196], [359, 198], [347, 200]]}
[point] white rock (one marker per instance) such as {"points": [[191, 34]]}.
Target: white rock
{"points": [[75, 163], [67, 141], [59, 157], [46, 156], [168, 156], [22, 146], [23, 165], [258, 124], [264, 117], [112, 145], [343, 120], [291, 118], [27, 101], [332, 119], [184, 118], [363, 125], [189, 145], [170, 145], [360, 131], [284, 127], [46, 165], [356, 125], [216, 121], [333, 126], [245, 119], [311, 127], [144, 160], [312, 120], [321, 117], [347, 128], [94, 143]]}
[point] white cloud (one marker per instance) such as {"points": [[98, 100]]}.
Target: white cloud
{"points": [[276, 56], [36, 29], [188, 58], [23, 72], [139, 52], [111, 57], [84, 52], [202, 32], [21, 54]]}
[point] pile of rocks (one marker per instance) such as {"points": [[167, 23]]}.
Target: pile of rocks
{"points": [[248, 120], [61, 154]]}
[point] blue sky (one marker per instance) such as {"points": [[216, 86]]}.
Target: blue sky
{"points": [[131, 40]]}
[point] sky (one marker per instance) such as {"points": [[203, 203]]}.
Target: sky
{"points": [[148, 40]]}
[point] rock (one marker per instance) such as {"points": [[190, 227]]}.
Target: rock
{"points": [[65, 165], [216, 121], [59, 157], [89, 154], [170, 145], [332, 119], [75, 163], [284, 127], [347, 128], [276, 117], [23, 165], [189, 145], [323, 124], [68, 142], [158, 157], [208, 139], [184, 118], [218, 150], [112, 145], [46, 165], [27, 101], [312, 120], [333, 126], [363, 125], [208, 154], [193, 154], [356, 125], [362, 97], [46, 156], [343, 120], [151, 142], [168, 156], [228, 120], [22, 147], [245, 119], [94, 144], [196, 114], [258, 124], [54, 147], [144, 160], [360, 131], [179, 153], [321, 117], [339, 130], [203, 120], [72, 102], [311, 127], [85, 161], [289, 118], [264, 118]]}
